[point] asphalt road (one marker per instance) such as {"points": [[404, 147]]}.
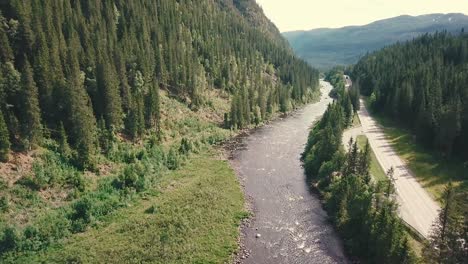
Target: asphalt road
{"points": [[416, 207]]}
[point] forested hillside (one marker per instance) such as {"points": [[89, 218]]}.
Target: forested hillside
{"points": [[422, 84], [328, 47], [105, 105], [71, 69]]}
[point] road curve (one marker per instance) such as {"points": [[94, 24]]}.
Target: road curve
{"points": [[416, 207]]}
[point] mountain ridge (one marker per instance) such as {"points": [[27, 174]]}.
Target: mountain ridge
{"points": [[327, 47]]}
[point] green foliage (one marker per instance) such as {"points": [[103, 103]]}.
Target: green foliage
{"points": [[52, 170], [9, 240], [173, 159], [4, 140], [365, 217], [428, 94], [30, 115], [4, 204], [108, 61], [197, 220], [447, 241]]}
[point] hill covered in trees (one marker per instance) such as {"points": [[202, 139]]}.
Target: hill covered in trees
{"points": [[325, 48], [422, 84], [102, 102], [71, 68]]}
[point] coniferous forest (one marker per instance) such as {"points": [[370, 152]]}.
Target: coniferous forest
{"points": [[423, 85], [71, 69], [102, 100]]}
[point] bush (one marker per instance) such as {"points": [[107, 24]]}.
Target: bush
{"points": [[186, 146], [9, 240], [133, 176], [4, 204], [52, 170], [81, 214], [172, 160]]}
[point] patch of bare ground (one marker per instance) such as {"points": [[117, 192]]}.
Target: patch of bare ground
{"points": [[19, 165]]}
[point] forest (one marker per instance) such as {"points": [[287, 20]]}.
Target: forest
{"points": [[73, 70], [422, 85], [365, 211], [100, 100]]}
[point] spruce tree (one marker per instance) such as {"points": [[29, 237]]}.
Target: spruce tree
{"points": [[446, 241], [4, 139], [30, 121], [64, 147], [79, 111], [110, 94]]}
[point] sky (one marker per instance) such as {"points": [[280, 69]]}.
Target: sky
{"points": [[291, 15]]}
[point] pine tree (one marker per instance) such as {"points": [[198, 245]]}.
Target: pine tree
{"points": [[64, 147], [4, 140], [107, 82], [446, 241], [364, 162], [79, 111], [31, 128]]}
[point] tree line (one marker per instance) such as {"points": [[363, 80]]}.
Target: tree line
{"points": [[363, 212], [79, 71], [422, 84]]}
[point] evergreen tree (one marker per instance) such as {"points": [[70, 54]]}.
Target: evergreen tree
{"points": [[4, 140], [446, 243], [31, 128]]}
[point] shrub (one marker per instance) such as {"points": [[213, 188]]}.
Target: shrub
{"points": [[172, 160], [186, 146], [81, 214], [4, 204], [9, 240]]}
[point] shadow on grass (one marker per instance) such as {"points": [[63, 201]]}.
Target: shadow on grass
{"points": [[430, 168]]}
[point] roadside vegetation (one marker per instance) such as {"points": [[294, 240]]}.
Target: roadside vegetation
{"points": [[100, 102], [423, 110], [375, 169], [431, 169], [424, 106], [363, 212]]}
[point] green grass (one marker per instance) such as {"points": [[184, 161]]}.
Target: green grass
{"points": [[431, 170], [375, 169], [194, 218], [356, 121]]}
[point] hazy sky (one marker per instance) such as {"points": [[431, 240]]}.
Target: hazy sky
{"points": [[308, 14]]}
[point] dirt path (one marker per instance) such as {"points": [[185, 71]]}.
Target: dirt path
{"points": [[416, 206]]}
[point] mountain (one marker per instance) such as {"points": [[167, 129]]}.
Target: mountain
{"points": [[327, 47], [110, 59]]}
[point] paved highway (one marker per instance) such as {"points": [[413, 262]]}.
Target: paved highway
{"points": [[416, 207]]}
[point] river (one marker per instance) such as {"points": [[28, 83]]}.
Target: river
{"points": [[289, 224]]}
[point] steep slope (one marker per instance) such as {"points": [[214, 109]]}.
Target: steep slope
{"points": [[101, 101], [109, 61], [325, 48]]}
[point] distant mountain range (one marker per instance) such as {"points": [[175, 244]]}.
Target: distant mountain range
{"points": [[325, 47]]}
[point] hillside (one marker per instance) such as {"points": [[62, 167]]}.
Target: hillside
{"points": [[102, 103], [325, 48], [418, 92]]}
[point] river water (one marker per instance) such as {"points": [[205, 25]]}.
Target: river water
{"points": [[289, 224]]}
